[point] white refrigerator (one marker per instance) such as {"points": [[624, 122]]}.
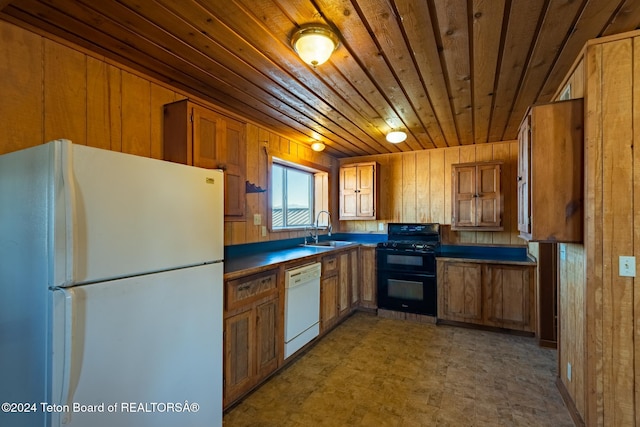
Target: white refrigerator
{"points": [[110, 290]]}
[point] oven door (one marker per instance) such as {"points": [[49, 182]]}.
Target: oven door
{"points": [[408, 292], [404, 260]]}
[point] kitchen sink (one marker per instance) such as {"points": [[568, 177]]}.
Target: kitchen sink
{"points": [[329, 244]]}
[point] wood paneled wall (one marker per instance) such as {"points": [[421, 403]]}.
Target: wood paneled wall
{"points": [[54, 90], [599, 335], [416, 187]]}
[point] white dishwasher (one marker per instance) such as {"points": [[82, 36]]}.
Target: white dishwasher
{"points": [[302, 307]]}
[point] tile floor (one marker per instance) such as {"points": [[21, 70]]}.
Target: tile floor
{"points": [[373, 371]]}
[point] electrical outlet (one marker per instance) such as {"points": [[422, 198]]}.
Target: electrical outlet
{"points": [[257, 219], [381, 226], [627, 266], [569, 371], [264, 231]]}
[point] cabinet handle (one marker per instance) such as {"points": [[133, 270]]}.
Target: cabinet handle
{"points": [[243, 287], [519, 178]]}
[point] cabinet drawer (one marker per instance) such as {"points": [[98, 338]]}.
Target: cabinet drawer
{"points": [[329, 265], [247, 289]]}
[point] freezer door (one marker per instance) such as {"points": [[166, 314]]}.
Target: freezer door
{"points": [[128, 215], [141, 351]]}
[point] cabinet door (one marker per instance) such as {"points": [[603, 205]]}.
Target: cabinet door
{"points": [[328, 302], [348, 192], [368, 279], [476, 196], [208, 150], [365, 195], [460, 291], [266, 342], [358, 191], [509, 296], [524, 151], [464, 196], [234, 162], [488, 196], [355, 276], [344, 284], [239, 363]]}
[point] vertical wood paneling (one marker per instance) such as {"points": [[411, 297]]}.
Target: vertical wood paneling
{"points": [[253, 205], [115, 106], [571, 300], [136, 115], [430, 189], [21, 109], [409, 188], [636, 218], [423, 193], [395, 185], [98, 104], [593, 239], [617, 165], [65, 93], [508, 185], [263, 181], [437, 183]]}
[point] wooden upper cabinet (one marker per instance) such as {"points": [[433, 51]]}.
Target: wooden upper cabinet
{"points": [[477, 196], [358, 187], [195, 135], [550, 172]]}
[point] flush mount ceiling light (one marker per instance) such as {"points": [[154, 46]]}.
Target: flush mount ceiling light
{"points": [[314, 43], [317, 146], [396, 136]]}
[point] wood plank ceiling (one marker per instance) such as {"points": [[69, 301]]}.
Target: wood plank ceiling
{"points": [[449, 72]]}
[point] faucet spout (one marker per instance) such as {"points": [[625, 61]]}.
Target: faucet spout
{"points": [[316, 226]]}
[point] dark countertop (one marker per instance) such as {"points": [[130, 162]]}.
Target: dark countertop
{"points": [[247, 264], [488, 254], [244, 262]]}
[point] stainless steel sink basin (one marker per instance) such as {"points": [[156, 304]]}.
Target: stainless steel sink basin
{"points": [[329, 244]]}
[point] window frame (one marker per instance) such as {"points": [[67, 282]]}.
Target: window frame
{"points": [[285, 196], [320, 192]]}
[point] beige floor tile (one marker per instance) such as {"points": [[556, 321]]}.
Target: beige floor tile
{"points": [[373, 371]]}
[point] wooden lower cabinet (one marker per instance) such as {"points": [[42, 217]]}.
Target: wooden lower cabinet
{"points": [[344, 284], [460, 291], [499, 295], [328, 302], [368, 278], [338, 285], [251, 346], [509, 296]]}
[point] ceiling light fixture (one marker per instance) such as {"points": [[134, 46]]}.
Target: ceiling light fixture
{"points": [[396, 136], [317, 146], [314, 43]]}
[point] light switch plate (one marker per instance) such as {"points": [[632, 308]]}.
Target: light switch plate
{"points": [[264, 231], [627, 266], [257, 219]]}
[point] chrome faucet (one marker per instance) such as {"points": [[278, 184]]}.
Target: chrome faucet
{"points": [[313, 232]]}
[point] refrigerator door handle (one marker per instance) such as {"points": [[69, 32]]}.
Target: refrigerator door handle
{"points": [[69, 356], [69, 207]]}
